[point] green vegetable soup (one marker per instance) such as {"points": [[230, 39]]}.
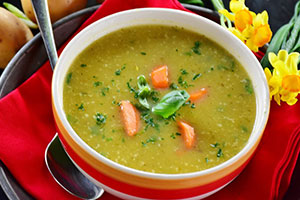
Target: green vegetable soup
{"points": [[119, 67]]}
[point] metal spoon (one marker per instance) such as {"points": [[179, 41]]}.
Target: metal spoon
{"points": [[57, 160]]}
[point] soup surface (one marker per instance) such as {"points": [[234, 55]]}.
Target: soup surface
{"points": [[106, 72]]}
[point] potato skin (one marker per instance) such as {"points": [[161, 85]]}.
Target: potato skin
{"points": [[57, 8], [13, 35]]}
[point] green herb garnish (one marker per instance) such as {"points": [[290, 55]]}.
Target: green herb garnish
{"points": [[196, 76], [69, 78], [170, 103], [195, 48], [133, 90], [173, 86], [152, 140], [220, 153], [143, 53], [100, 119], [149, 121], [97, 83], [244, 129], [104, 91], [248, 86], [118, 72], [144, 91], [83, 65], [183, 83], [183, 71], [81, 107]]}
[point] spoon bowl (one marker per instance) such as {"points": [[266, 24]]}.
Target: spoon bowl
{"points": [[66, 174]]}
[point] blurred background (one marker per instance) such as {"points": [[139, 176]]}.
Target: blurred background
{"points": [[280, 12]]}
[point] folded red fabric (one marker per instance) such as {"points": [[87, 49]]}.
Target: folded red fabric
{"points": [[27, 127]]}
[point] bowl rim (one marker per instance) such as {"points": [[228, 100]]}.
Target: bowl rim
{"points": [[59, 108]]}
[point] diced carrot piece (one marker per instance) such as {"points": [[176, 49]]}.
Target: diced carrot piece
{"points": [[130, 117], [198, 94], [159, 77], [188, 134]]}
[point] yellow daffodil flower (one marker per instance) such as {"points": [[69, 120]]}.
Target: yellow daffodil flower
{"points": [[252, 29], [284, 81]]}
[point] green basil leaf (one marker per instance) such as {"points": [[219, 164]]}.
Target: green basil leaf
{"points": [[170, 103], [144, 91], [144, 102]]}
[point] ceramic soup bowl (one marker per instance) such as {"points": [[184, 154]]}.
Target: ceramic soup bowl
{"points": [[129, 183]]}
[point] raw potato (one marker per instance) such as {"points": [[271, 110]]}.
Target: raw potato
{"points": [[13, 35], [57, 8]]}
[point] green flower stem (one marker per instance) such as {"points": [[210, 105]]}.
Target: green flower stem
{"points": [[18, 13], [218, 5]]}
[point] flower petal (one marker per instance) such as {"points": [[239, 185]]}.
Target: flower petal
{"points": [[236, 5], [227, 14], [242, 19], [237, 33], [292, 62], [262, 35], [282, 55], [261, 19], [251, 45], [291, 83]]}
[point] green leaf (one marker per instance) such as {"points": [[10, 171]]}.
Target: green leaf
{"points": [[196, 2], [18, 13], [144, 91], [170, 103]]}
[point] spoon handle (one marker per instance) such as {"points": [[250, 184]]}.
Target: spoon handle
{"points": [[43, 18]]}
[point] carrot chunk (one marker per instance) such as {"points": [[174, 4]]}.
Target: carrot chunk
{"points": [[198, 94], [159, 77], [188, 134], [130, 118]]}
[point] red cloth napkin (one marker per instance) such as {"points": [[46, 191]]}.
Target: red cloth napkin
{"points": [[27, 127]]}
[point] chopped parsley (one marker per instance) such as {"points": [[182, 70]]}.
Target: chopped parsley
{"points": [[196, 76], [104, 91], [195, 48], [149, 121], [143, 53], [97, 83], [227, 68], [118, 72], [83, 65], [69, 77], [193, 106], [244, 129], [81, 107], [183, 71], [173, 135], [152, 140], [220, 153], [100, 119], [248, 86], [183, 83], [215, 145], [133, 90], [154, 96], [173, 86]]}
